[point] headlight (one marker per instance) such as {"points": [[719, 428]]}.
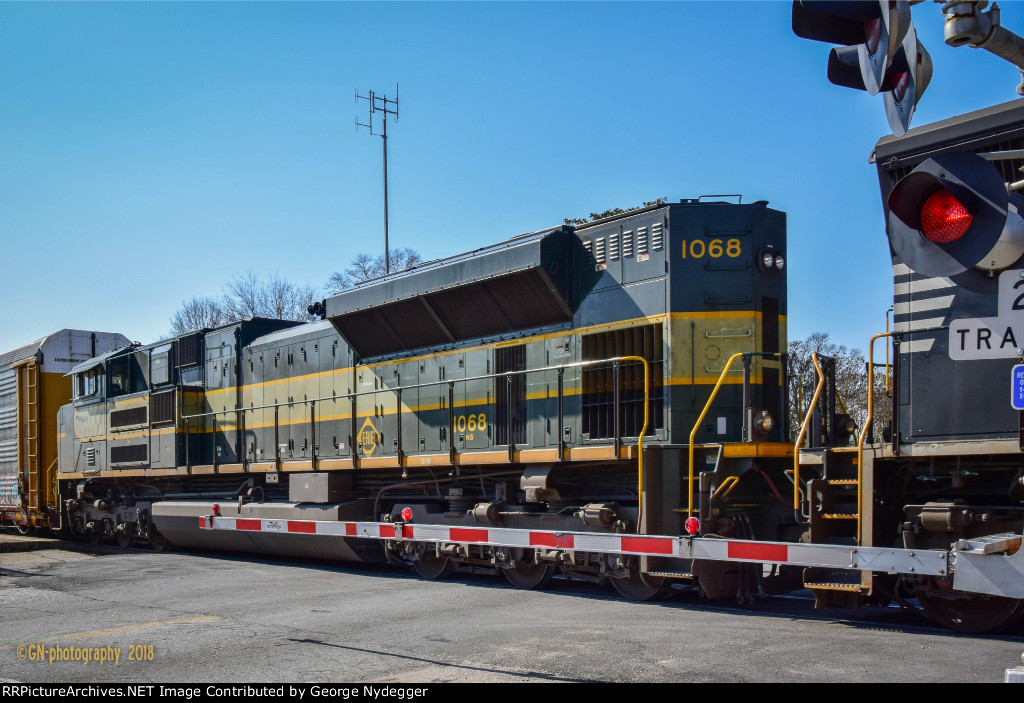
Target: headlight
{"points": [[763, 422], [780, 263]]}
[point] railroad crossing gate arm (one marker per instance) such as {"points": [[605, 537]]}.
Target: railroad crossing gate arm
{"points": [[903, 561], [900, 561]]}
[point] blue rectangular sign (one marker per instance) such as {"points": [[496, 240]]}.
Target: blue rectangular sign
{"points": [[1017, 387]]}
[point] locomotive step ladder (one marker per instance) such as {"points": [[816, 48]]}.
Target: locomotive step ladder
{"points": [[830, 504]]}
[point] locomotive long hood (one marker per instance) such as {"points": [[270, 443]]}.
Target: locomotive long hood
{"points": [[520, 284]]}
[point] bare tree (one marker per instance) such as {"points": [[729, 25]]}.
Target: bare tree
{"points": [[286, 300], [196, 313], [365, 267], [851, 383], [244, 296]]}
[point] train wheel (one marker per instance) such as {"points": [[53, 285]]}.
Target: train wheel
{"points": [[433, 567], [24, 530], [526, 575], [394, 557], [633, 588], [971, 613], [95, 536], [157, 540], [125, 539]]}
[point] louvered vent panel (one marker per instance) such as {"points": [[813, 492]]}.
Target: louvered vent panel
{"points": [[613, 247], [641, 240], [598, 401], [126, 418], [657, 238], [128, 454], [599, 250], [627, 243], [161, 407], [190, 349]]}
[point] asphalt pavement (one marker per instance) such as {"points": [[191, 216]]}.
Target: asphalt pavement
{"points": [[193, 617]]}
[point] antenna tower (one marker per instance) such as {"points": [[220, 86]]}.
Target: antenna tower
{"points": [[381, 103]]}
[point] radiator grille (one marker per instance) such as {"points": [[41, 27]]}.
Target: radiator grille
{"points": [[510, 359], [129, 453], [128, 417], [599, 388], [161, 407], [190, 349]]}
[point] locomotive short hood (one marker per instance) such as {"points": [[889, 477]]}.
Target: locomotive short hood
{"points": [[522, 283]]}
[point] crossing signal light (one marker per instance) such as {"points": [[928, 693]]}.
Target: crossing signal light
{"points": [[952, 216], [882, 53]]}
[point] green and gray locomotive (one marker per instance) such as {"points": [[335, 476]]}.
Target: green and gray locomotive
{"points": [[553, 381]]}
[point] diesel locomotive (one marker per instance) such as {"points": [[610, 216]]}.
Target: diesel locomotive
{"points": [[606, 402], [517, 386]]}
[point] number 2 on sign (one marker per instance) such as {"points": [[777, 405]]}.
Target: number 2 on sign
{"points": [[697, 249]]}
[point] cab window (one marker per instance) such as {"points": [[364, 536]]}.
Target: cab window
{"points": [[87, 383], [119, 369]]}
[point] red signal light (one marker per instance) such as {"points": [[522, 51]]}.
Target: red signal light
{"points": [[873, 34], [216, 508], [900, 83], [692, 525], [406, 514], [944, 219]]}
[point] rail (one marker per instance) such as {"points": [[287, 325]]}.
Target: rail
{"points": [[803, 431], [560, 369]]}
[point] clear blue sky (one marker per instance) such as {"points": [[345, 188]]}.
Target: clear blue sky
{"points": [[150, 151]]}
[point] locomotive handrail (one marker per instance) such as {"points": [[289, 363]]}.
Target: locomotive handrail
{"points": [[707, 406], [560, 369], [867, 422], [696, 425], [803, 430], [871, 407], [499, 374]]}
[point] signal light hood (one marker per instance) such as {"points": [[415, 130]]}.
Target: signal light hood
{"points": [[994, 239]]}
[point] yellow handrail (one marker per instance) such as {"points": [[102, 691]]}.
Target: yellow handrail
{"points": [[841, 403], [640, 439], [53, 481], [867, 422], [696, 426], [887, 365], [803, 431], [727, 485]]}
